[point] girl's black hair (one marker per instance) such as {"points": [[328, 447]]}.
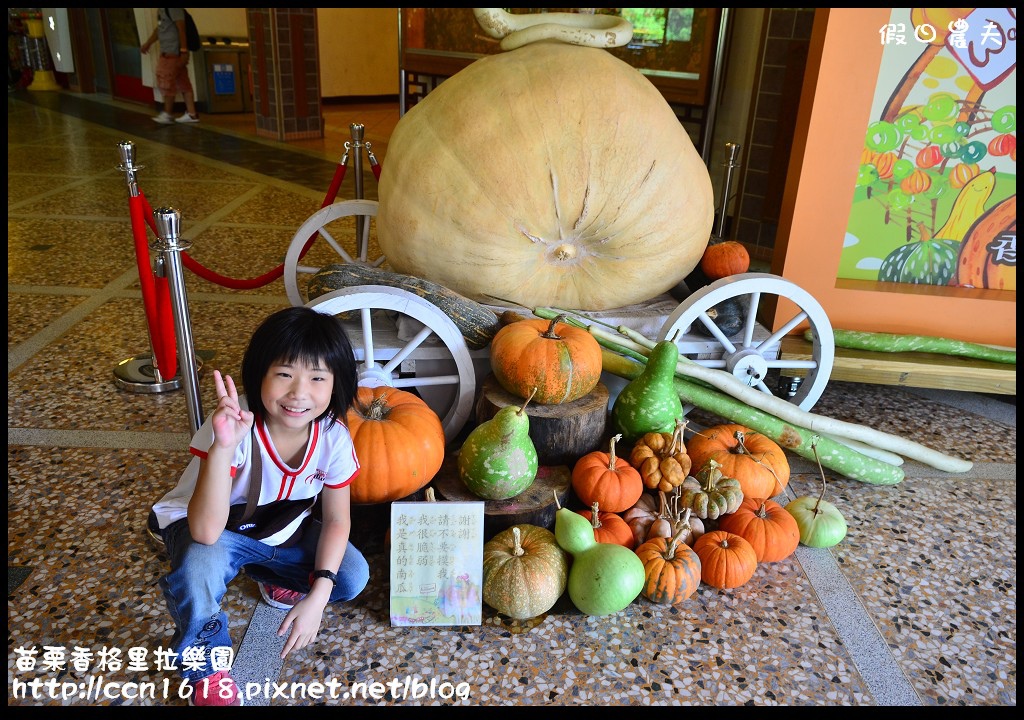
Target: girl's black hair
{"points": [[301, 334]]}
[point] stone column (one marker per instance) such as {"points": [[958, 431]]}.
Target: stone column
{"points": [[285, 66]]}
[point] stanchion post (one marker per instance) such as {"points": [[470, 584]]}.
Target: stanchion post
{"points": [[139, 373], [170, 245], [732, 152], [357, 130]]}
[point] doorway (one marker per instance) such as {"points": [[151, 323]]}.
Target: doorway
{"points": [[116, 58]]}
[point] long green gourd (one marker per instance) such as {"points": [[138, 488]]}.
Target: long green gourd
{"points": [[833, 455], [889, 342]]}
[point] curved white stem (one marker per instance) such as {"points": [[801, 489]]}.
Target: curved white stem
{"points": [[785, 410], [514, 31], [869, 450]]}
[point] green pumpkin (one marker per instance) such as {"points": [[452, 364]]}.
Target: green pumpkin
{"points": [[498, 460], [525, 571], [730, 316], [931, 262], [820, 522], [649, 402], [604, 578]]}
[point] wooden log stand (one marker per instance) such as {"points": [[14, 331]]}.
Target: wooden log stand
{"points": [[534, 506], [561, 433]]}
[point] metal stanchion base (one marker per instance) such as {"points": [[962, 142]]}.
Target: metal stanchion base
{"points": [[137, 374]]}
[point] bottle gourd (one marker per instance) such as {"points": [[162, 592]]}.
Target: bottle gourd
{"points": [[649, 402], [604, 577]]}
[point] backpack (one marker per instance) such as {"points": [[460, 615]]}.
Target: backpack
{"points": [[192, 40]]}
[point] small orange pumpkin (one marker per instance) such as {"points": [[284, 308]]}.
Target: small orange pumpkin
{"points": [[562, 361], [916, 183], [963, 173], [399, 441], [661, 458], [765, 524], [671, 570], [602, 477], [726, 559], [724, 259], [756, 460], [609, 527]]}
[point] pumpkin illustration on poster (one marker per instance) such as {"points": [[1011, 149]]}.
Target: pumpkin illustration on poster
{"points": [[935, 196]]}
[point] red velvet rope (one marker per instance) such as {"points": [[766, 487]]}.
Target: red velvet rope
{"points": [[156, 296], [161, 332], [192, 264]]}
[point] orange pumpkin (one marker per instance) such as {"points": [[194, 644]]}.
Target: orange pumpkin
{"points": [[561, 361], [723, 259], [883, 163], [765, 524], [671, 570], [606, 479], [609, 527], [757, 461], [399, 441], [661, 458], [963, 173], [726, 559], [916, 182]]}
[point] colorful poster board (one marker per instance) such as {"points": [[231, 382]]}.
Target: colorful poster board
{"points": [[836, 108], [935, 198], [437, 555]]}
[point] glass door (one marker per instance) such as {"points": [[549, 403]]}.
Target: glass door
{"points": [[125, 56]]}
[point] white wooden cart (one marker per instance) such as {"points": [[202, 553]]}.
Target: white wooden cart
{"points": [[404, 341]]}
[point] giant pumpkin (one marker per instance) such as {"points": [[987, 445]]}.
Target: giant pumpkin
{"points": [[551, 175]]}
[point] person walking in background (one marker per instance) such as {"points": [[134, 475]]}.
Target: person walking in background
{"points": [[172, 65]]}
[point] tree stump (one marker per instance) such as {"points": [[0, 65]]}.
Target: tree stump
{"points": [[534, 506], [561, 433]]}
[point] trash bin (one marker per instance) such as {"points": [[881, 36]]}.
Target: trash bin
{"points": [[222, 76]]}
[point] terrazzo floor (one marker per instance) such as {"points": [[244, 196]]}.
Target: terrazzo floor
{"points": [[916, 607]]}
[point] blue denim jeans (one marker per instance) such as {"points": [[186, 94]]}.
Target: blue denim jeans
{"points": [[200, 575]]}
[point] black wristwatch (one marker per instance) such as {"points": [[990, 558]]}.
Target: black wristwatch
{"points": [[322, 574]]}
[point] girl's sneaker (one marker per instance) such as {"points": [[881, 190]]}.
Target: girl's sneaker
{"points": [[279, 597], [186, 118], [219, 689], [164, 118]]}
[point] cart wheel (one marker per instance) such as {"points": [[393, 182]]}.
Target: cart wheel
{"points": [[748, 358], [403, 341], [317, 225]]}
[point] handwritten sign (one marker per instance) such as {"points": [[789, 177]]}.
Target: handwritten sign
{"points": [[437, 557]]}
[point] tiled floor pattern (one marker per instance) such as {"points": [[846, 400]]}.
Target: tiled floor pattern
{"points": [[917, 606]]}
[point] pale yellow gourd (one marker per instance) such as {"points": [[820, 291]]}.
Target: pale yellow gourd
{"points": [[551, 175]]}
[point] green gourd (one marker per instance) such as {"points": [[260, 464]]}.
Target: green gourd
{"points": [[498, 460], [821, 524], [604, 577], [650, 402]]}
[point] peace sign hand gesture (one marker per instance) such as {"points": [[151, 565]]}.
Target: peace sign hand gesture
{"points": [[230, 422]]}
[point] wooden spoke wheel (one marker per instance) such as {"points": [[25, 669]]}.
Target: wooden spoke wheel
{"points": [[329, 246], [403, 341], [753, 354]]}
